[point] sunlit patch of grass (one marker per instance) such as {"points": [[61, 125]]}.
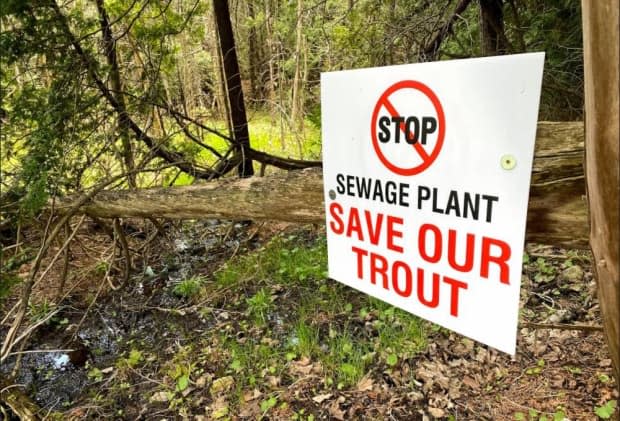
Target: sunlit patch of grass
{"points": [[281, 261], [279, 137], [267, 134]]}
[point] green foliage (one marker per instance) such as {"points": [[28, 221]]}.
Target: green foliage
{"points": [[540, 365], [281, 260], [534, 415], [306, 339], [38, 311], [397, 329], [267, 404], [188, 288], [259, 305], [60, 135], [289, 262], [95, 374], [606, 411], [9, 265], [545, 272], [391, 360], [182, 382], [134, 359]]}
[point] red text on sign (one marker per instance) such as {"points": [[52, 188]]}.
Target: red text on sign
{"points": [[398, 276], [463, 252], [367, 226], [492, 251]]}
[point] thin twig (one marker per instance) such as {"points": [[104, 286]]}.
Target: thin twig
{"points": [[65, 263], [40, 351], [33, 327], [73, 208], [64, 246], [120, 235], [561, 326]]}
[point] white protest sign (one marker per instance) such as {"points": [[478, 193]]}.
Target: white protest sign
{"points": [[426, 171]]}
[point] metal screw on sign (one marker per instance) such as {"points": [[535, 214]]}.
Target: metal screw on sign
{"points": [[332, 194], [508, 162]]}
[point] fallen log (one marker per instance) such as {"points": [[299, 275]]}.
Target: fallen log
{"points": [[557, 210]]}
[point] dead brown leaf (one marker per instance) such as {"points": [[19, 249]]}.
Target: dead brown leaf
{"points": [[273, 381], [250, 395], [250, 410], [335, 411], [301, 367], [222, 384], [472, 383], [436, 412], [321, 398], [365, 384]]}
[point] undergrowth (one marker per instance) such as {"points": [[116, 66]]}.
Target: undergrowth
{"points": [[291, 322]]}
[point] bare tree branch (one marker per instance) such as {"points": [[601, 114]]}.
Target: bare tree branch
{"points": [[432, 49]]}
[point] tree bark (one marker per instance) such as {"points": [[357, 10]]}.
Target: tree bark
{"points": [[296, 105], [109, 44], [557, 212], [600, 41], [254, 57], [492, 36], [222, 85], [233, 86], [431, 51]]}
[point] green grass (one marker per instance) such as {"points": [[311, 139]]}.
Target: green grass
{"points": [[305, 339], [260, 305], [188, 288], [282, 261], [317, 313], [347, 358], [266, 134], [286, 323]]}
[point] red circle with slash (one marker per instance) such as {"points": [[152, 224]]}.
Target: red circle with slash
{"points": [[426, 157]]}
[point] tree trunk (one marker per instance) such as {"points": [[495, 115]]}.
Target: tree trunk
{"points": [[254, 56], [271, 54], [556, 215], [109, 44], [492, 36], [233, 86], [296, 106], [600, 41], [224, 103], [431, 51]]}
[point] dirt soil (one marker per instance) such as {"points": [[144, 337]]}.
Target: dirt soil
{"points": [[80, 364]]}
